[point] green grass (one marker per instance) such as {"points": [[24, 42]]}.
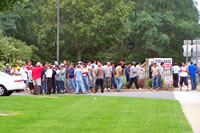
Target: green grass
{"points": [[85, 114]]}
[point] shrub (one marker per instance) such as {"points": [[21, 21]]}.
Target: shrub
{"points": [[149, 82]]}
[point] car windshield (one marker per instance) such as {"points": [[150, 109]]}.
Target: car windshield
{"points": [[4, 74]]}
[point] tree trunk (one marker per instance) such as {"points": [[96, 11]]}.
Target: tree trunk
{"points": [[79, 54]]}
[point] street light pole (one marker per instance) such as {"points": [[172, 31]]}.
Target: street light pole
{"points": [[58, 28]]}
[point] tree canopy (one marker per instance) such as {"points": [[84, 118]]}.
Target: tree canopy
{"points": [[105, 30]]}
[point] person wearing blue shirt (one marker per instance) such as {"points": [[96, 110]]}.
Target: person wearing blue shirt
{"points": [[127, 73], [192, 71], [70, 76], [79, 80]]}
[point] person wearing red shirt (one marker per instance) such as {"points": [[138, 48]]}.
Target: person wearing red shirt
{"points": [[36, 75], [28, 67]]}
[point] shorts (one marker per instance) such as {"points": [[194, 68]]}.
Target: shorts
{"points": [[183, 80], [30, 86], [37, 82], [26, 81]]}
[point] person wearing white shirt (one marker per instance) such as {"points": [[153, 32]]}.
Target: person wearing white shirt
{"points": [[108, 75], [184, 76], [30, 80], [24, 74], [133, 76], [49, 74]]}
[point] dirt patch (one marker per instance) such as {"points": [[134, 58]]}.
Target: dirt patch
{"points": [[7, 113]]}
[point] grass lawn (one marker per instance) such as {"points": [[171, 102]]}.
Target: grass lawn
{"points": [[91, 114]]}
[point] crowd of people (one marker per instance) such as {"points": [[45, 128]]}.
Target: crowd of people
{"points": [[80, 78], [89, 77]]}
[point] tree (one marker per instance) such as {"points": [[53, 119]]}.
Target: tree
{"points": [[8, 4], [84, 24]]}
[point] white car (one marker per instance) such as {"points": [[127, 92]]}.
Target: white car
{"points": [[9, 84]]}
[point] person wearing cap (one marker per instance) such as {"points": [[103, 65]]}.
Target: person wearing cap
{"points": [[119, 76], [175, 70], [79, 80], [30, 80], [62, 78], [108, 75], [36, 73], [100, 76], [155, 76], [70, 77], [92, 77], [28, 67], [7, 69], [133, 76]]}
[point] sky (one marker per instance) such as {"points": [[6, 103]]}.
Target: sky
{"points": [[197, 4]]}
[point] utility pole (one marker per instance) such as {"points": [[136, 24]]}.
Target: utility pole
{"points": [[58, 28]]}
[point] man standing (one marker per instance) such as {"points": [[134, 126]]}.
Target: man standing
{"points": [[150, 72], [62, 78], [70, 76], [14, 71], [85, 77], [36, 73], [192, 71], [79, 81], [43, 86], [155, 75], [24, 74], [108, 75], [100, 75], [30, 81], [161, 73], [119, 76], [49, 74], [7, 69], [184, 76], [113, 83], [127, 72], [57, 79], [175, 70], [133, 76], [53, 80]]}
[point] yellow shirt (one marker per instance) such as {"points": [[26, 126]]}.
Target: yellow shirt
{"points": [[118, 71]]}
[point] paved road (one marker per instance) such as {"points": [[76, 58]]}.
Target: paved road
{"points": [[190, 101]]}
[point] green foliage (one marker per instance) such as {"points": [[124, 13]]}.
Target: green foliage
{"points": [[149, 82], [15, 51], [105, 30], [8, 4]]}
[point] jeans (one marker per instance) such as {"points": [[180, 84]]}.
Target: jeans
{"points": [[79, 85], [85, 82], [193, 82], [127, 78], [155, 79], [71, 84], [159, 82], [62, 85], [119, 82], [58, 86], [43, 87], [113, 83]]}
